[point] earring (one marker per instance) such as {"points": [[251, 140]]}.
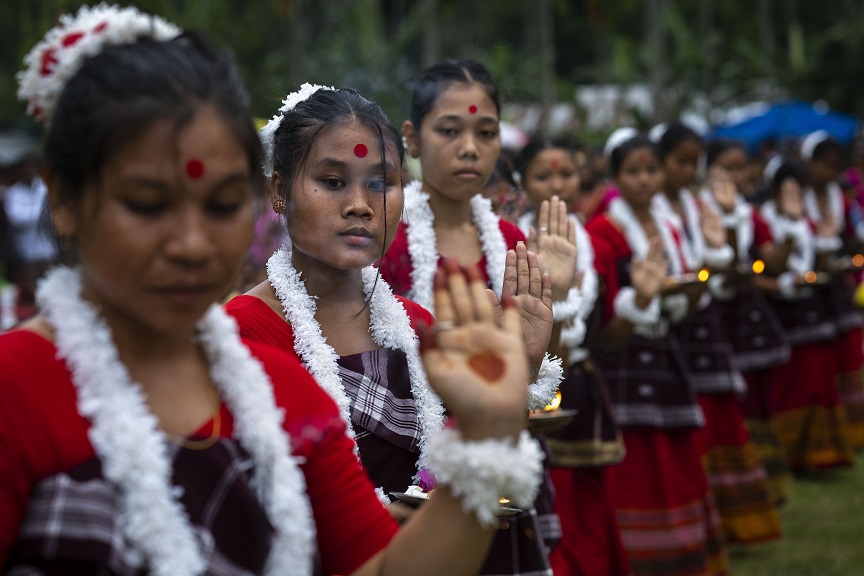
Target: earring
{"points": [[279, 206]]}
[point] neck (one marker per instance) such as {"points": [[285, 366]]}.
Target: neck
{"points": [[331, 287], [820, 189], [642, 212], [449, 212]]}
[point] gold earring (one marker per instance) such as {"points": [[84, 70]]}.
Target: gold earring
{"points": [[279, 206]]}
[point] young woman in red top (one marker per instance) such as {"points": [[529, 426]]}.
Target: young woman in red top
{"points": [[139, 434]]}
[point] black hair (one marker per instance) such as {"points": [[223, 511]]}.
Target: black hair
{"points": [[534, 147], [825, 148], [620, 153], [788, 169], [720, 146], [119, 91], [674, 135], [503, 172], [435, 80], [299, 128]]}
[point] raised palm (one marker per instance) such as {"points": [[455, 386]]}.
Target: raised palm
{"points": [[554, 242]]}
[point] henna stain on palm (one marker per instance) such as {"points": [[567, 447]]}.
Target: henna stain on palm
{"points": [[487, 365]]}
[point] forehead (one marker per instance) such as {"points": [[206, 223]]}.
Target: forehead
{"points": [[733, 155], [458, 98], [688, 147], [642, 156], [351, 140], [555, 157], [163, 147]]}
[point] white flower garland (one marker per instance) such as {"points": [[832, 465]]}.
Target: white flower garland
{"points": [[133, 451], [480, 472], [802, 258], [267, 133], [390, 327], [61, 53], [696, 252], [423, 246], [836, 206], [621, 212]]}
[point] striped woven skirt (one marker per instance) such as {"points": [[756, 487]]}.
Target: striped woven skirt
{"points": [[735, 472], [666, 512]]}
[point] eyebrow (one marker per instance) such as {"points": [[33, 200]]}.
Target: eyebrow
{"points": [[457, 118], [164, 186], [336, 163]]}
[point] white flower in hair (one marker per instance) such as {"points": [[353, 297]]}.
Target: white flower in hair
{"points": [[58, 57], [266, 133]]}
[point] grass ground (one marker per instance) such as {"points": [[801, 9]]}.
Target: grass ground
{"points": [[823, 525]]}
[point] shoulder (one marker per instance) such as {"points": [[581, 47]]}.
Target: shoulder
{"points": [[396, 264], [601, 228], [258, 321], [512, 234], [416, 312]]}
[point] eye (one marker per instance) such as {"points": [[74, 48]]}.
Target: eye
{"points": [[332, 183], [489, 134], [447, 131], [378, 185], [145, 208], [224, 208]]}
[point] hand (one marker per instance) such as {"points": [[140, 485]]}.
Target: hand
{"points": [[790, 200], [712, 227], [647, 275], [533, 293], [478, 367], [828, 227], [400, 512], [722, 188], [554, 242]]}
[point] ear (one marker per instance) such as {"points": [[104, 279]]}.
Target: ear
{"points": [[64, 213], [412, 140], [276, 186]]}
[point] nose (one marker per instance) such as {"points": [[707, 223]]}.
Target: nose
{"points": [[468, 146], [358, 203], [190, 241], [557, 184]]}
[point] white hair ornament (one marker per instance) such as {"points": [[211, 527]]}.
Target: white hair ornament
{"points": [[61, 53], [811, 141], [617, 138], [269, 130]]}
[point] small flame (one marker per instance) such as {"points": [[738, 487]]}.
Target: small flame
{"points": [[758, 267], [503, 501], [703, 275], [810, 277], [554, 404], [858, 260]]}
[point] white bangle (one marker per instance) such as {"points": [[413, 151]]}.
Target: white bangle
{"points": [[827, 243], [676, 306], [542, 391], [573, 334], [625, 307], [719, 257], [481, 472], [786, 282], [734, 218], [566, 309]]}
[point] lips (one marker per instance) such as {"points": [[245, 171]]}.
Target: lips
{"points": [[185, 294], [362, 232], [468, 173]]}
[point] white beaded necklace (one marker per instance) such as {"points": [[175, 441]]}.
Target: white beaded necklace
{"points": [[133, 450], [390, 328]]}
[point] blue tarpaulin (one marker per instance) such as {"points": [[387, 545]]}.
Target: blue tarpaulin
{"points": [[789, 119]]}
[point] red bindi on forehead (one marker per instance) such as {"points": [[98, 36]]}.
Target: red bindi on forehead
{"points": [[554, 164], [360, 150], [194, 168], [644, 157], [472, 109]]}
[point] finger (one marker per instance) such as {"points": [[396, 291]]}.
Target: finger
{"points": [[546, 289], [511, 321], [427, 337], [554, 209], [543, 221], [532, 239], [510, 273], [562, 217], [535, 276], [443, 303], [477, 287], [523, 274], [571, 232], [457, 285]]}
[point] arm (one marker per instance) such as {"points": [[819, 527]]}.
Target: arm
{"points": [[478, 369]]}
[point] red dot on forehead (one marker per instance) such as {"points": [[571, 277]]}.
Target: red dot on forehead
{"points": [[472, 109], [360, 150], [554, 164], [195, 168], [643, 156]]}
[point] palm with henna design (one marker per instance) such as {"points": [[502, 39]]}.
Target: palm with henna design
{"points": [[554, 242], [646, 276], [477, 365]]}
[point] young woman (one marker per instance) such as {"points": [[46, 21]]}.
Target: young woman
{"points": [[138, 432], [829, 209], [809, 418], [334, 163], [580, 454], [732, 462], [758, 340], [666, 511]]}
